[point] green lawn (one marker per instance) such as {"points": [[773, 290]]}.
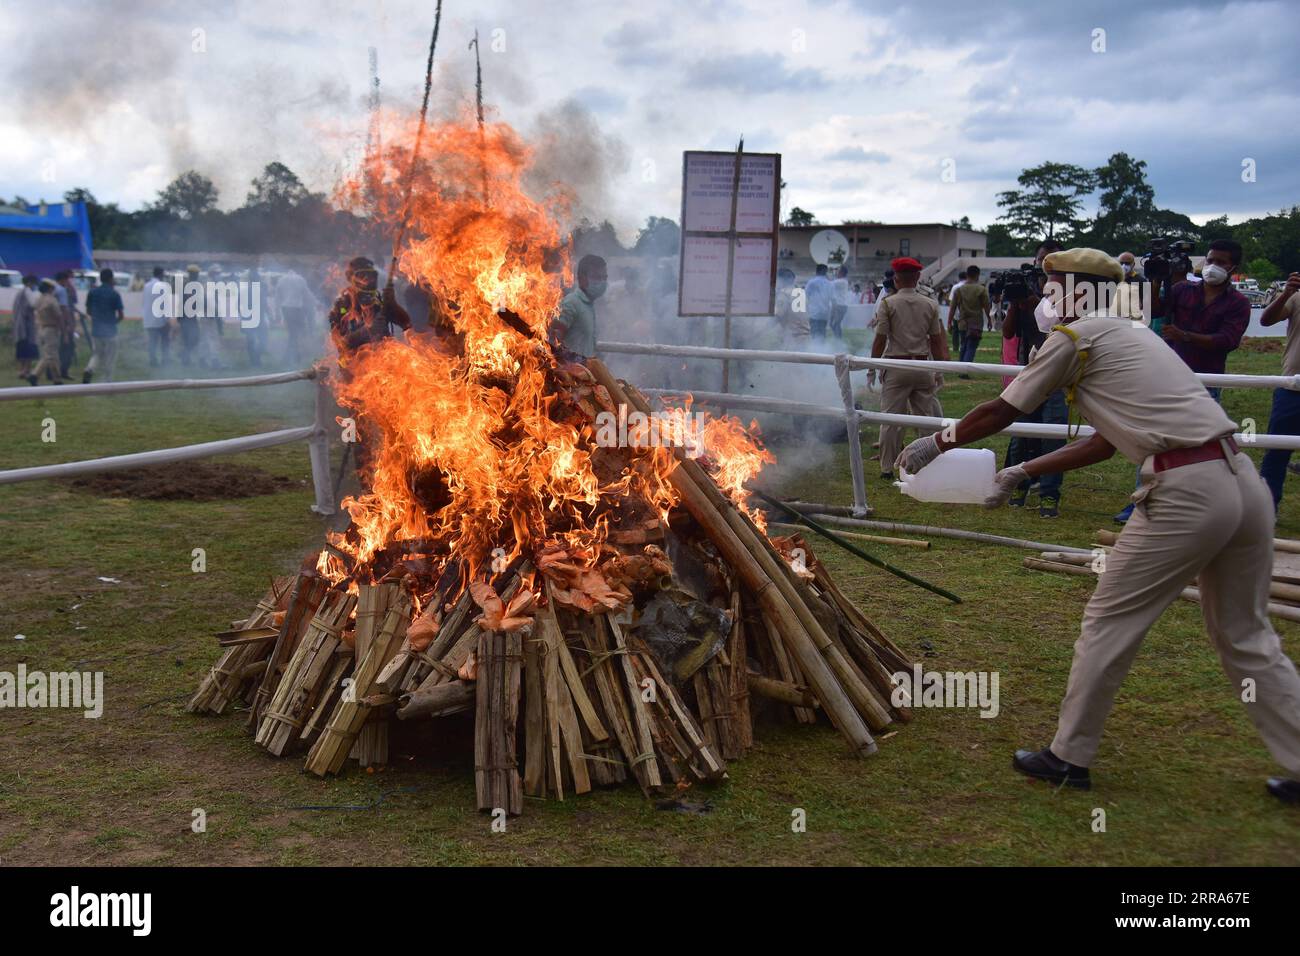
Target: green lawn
{"points": [[1179, 775]]}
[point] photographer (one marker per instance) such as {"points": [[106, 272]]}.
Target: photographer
{"points": [[1204, 321], [1023, 294]]}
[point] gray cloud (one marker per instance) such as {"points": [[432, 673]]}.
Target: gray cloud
{"points": [[857, 154], [753, 74]]}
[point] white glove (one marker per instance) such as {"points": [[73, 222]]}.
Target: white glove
{"points": [[871, 379], [938, 379], [918, 454], [1005, 482]]}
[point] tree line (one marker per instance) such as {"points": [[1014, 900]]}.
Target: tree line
{"points": [[1050, 199]]}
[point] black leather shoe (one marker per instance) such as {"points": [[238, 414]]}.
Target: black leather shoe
{"points": [[1288, 791], [1045, 765]]}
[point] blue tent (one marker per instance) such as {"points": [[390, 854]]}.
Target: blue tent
{"points": [[46, 238]]}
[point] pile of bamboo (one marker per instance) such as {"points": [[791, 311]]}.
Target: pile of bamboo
{"points": [[563, 699]]}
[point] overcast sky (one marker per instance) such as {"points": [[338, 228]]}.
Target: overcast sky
{"points": [[869, 102]]}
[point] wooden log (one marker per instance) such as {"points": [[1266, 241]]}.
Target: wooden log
{"points": [[308, 591], [755, 565], [613, 704], [782, 692], [676, 724], [222, 684], [290, 706], [535, 721], [371, 747], [496, 767], [330, 694], [737, 675], [451, 698], [644, 755], [331, 748], [247, 635]]}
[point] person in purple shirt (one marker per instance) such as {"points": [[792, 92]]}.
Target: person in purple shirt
{"points": [[1205, 320]]}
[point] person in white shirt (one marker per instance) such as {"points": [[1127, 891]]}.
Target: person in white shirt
{"points": [[839, 301], [953, 330], [157, 318], [297, 306]]}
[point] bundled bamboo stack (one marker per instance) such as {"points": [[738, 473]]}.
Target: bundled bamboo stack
{"points": [[572, 684]]}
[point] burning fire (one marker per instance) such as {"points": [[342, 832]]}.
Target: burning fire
{"points": [[471, 446]]}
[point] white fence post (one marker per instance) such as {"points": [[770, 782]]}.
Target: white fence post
{"points": [[318, 447], [854, 428]]}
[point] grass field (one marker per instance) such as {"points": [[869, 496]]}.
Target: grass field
{"points": [[1180, 773]]}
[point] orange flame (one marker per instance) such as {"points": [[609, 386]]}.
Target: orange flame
{"points": [[469, 446]]}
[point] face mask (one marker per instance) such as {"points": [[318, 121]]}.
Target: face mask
{"points": [[1045, 315], [1127, 267], [596, 289], [1213, 274]]}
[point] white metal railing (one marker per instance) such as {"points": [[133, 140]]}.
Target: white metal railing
{"points": [[316, 434], [853, 417]]}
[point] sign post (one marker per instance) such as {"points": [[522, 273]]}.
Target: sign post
{"points": [[730, 221]]}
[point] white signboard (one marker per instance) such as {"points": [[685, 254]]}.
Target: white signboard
{"points": [[704, 276], [707, 182], [707, 185]]}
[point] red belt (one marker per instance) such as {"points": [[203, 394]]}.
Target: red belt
{"points": [[1210, 451]]}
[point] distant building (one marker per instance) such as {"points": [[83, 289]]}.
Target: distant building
{"points": [[871, 246]]}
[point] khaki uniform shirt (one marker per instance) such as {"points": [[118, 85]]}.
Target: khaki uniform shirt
{"points": [[972, 299], [49, 314], [1134, 389], [907, 319], [1291, 360]]}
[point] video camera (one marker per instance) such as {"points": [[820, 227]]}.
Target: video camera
{"points": [[1165, 256], [1015, 284]]}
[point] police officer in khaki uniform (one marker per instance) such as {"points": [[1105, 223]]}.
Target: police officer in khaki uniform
{"points": [[907, 327], [1201, 512]]}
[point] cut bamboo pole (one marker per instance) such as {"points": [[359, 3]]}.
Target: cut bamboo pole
{"points": [[875, 538], [931, 531], [1282, 611]]}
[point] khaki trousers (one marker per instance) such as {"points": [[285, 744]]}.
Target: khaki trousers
{"points": [[47, 340], [1198, 520], [904, 392]]}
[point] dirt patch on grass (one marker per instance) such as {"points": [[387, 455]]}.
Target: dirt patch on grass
{"points": [[185, 481]]}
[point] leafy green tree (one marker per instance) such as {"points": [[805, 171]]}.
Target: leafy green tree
{"points": [[1263, 271], [658, 237], [188, 196], [1125, 204], [278, 187], [800, 217], [1048, 202], [1000, 242]]}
